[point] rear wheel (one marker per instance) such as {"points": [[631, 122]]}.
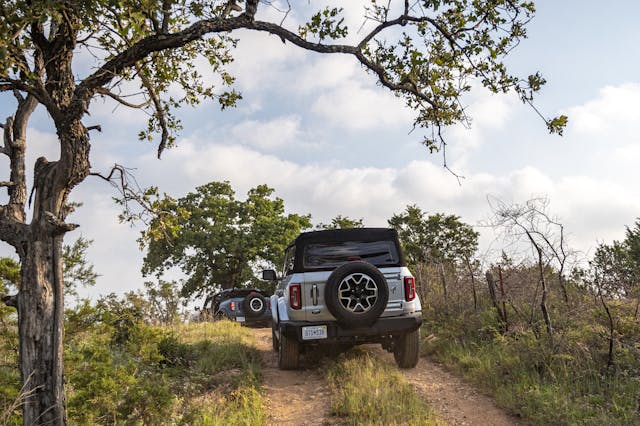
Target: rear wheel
{"points": [[288, 353], [254, 305], [356, 294], [407, 349]]}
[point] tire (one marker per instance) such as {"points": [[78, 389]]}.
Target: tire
{"points": [[288, 353], [254, 305], [274, 340], [356, 294], [406, 350]]}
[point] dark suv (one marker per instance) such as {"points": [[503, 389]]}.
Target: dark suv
{"points": [[346, 287], [246, 305]]}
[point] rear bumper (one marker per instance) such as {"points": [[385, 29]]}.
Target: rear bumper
{"points": [[381, 329]]}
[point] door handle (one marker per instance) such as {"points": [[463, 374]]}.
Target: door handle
{"points": [[314, 294]]}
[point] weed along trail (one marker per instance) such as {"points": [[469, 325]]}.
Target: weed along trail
{"points": [[293, 397], [455, 401]]}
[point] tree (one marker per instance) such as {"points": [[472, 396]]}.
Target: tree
{"points": [[341, 222], [531, 223], [436, 240], [614, 274], [77, 269], [216, 239], [9, 277], [164, 299], [426, 52]]}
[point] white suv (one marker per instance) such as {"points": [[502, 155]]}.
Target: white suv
{"points": [[346, 287]]}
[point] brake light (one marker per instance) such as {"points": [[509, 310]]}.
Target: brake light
{"points": [[232, 305], [409, 288], [295, 300]]}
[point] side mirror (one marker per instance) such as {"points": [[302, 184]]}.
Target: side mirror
{"points": [[269, 275]]}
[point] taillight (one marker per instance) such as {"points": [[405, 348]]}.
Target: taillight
{"points": [[232, 305], [295, 300], [409, 288]]}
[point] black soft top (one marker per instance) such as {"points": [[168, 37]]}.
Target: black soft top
{"points": [[349, 234], [329, 236]]}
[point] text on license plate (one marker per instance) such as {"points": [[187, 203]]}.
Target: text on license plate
{"points": [[240, 319], [315, 332]]}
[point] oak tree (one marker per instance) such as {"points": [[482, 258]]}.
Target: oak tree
{"points": [[436, 240], [428, 52], [218, 240], [341, 222]]}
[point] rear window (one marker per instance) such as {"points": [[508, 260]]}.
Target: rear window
{"points": [[334, 254]]}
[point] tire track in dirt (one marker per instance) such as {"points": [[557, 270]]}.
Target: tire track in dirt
{"points": [[293, 397], [454, 400], [302, 397]]}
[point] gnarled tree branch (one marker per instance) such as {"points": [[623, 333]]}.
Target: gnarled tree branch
{"points": [[106, 92]]}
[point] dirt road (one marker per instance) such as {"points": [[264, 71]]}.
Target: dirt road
{"points": [[302, 397], [293, 397]]}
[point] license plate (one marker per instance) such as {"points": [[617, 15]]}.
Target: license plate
{"points": [[315, 332], [240, 319]]}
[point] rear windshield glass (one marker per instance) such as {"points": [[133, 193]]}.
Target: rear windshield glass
{"points": [[331, 255]]}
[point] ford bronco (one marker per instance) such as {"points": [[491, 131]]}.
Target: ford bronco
{"points": [[345, 287]]}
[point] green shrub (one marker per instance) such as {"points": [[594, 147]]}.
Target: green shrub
{"points": [[559, 382]]}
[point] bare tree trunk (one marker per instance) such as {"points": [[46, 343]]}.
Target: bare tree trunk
{"points": [[40, 300], [39, 246], [563, 285], [543, 300], [443, 279], [40, 323], [504, 298], [492, 293], [473, 285], [610, 354]]}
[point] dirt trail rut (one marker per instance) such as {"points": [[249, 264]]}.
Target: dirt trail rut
{"points": [[453, 399], [293, 397], [302, 397]]}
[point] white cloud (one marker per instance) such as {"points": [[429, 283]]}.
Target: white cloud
{"points": [[355, 107], [613, 116], [268, 135], [592, 209]]}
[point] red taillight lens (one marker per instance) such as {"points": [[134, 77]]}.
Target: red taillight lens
{"points": [[295, 300], [409, 288], [232, 305]]}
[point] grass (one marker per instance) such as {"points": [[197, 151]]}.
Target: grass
{"points": [[221, 383], [204, 374], [543, 386], [368, 391]]}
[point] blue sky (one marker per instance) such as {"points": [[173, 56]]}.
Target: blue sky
{"points": [[319, 130]]}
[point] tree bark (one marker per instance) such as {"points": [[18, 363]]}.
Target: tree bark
{"points": [[492, 293], [443, 279], [40, 324], [543, 300], [41, 295], [473, 284]]}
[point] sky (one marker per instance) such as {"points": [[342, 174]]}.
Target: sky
{"points": [[330, 141]]}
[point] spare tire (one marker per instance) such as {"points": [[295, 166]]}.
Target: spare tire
{"points": [[356, 294], [254, 305]]}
